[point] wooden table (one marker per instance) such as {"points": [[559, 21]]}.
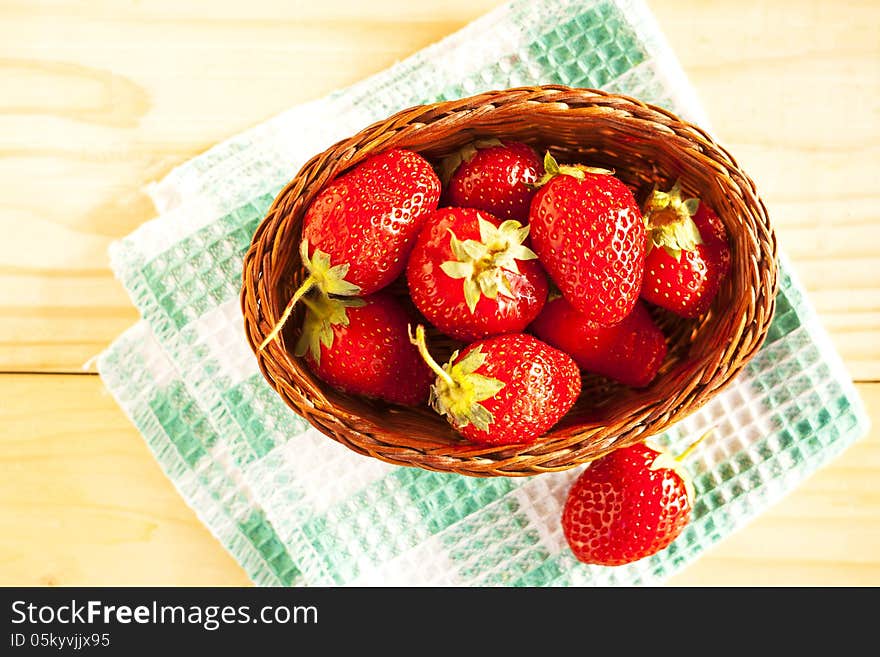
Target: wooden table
{"points": [[100, 98]]}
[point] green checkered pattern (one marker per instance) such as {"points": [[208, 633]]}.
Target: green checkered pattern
{"points": [[295, 508]]}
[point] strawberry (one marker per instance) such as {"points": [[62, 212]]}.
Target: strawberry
{"points": [[471, 276], [358, 231], [688, 253], [361, 346], [630, 352], [503, 390], [494, 176], [588, 233], [627, 505]]}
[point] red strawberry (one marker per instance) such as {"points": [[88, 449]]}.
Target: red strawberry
{"points": [[361, 346], [471, 276], [503, 390], [369, 217], [627, 505], [688, 254], [494, 176], [588, 232], [358, 231], [630, 352]]}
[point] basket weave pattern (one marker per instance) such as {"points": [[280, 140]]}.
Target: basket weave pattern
{"points": [[644, 145]]}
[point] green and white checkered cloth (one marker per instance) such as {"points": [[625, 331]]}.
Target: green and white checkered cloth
{"points": [[296, 508]]}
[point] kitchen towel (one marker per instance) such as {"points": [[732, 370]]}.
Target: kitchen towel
{"points": [[296, 508]]}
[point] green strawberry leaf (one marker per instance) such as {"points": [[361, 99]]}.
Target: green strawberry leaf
{"points": [[455, 269], [460, 401], [485, 264], [552, 169], [668, 221], [322, 314], [458, 389], [329, 279], [691, 206], [450, 163], [471, 294]]}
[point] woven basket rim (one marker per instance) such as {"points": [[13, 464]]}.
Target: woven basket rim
{"points": [[347, 420]]}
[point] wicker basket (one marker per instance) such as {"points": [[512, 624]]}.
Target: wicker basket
{"points": [[644, 145]]}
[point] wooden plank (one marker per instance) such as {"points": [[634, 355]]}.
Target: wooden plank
{"points": [[84, 503], [799, 109], [98, 111]]}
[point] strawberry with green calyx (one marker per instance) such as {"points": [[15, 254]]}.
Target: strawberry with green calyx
{"points": [[587, 230], [552, 168], [688, 253], [508, 389], [472, 275], [628, 505], [492, 176], [358, 231], [321, 275], [630, 352], [361, 346], [668, 221]]}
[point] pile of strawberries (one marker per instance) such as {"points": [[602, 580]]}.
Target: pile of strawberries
{"points": [[541, 271]]}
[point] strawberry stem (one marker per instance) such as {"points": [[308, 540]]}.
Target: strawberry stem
{"points": [[419, 342], [552, 169], [311, 305], [687, 452], [307, 285]]}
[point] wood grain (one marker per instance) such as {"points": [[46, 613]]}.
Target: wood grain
{"points": [[83, 500], [110, 96], [793, 91], [98, 111], [824, 533], [102, 97], [84, 503]]}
